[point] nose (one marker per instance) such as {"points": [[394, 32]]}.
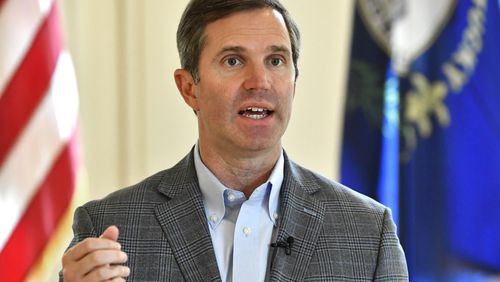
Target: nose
{"points": [[257, 77]]}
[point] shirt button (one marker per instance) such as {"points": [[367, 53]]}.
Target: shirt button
{"points": [[275, 215], [214, 218], [230, 196], [247, 231]]}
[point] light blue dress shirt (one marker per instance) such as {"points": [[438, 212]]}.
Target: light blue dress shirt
{"points": [[241, 229]]}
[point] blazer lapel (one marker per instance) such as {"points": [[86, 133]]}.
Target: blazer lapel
{"points": [[301, 218], [183, 220]]}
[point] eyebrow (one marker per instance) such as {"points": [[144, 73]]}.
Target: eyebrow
{"points": [[231, 49], [280, 49]]}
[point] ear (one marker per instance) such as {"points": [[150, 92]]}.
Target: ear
{"points": [[185, 84]]}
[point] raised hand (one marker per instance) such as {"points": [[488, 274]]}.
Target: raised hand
{"points": [[96, 259]]}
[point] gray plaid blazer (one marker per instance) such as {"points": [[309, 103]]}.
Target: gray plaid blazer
{"points": [[340, 235]]}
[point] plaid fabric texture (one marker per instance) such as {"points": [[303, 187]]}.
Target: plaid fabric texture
{"points": [[339, 234]]}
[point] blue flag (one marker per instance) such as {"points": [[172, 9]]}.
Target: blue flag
{"points": [[441, 173]]}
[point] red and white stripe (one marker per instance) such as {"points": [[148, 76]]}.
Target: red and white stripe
{"points": [[38, 125]]}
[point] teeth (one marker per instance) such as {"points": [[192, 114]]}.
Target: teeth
{"points": [[255, 112], [256, 116], [255, 109]]}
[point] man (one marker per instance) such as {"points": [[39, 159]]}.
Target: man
{"points": [[236, 208]]}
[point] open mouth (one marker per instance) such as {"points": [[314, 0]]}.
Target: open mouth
{"points": [[255, 112]]}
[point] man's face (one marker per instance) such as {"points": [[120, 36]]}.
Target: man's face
{"points": [[247, 83]]}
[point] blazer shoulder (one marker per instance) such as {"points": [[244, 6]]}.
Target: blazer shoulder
{"points": [[330, 191], [153, 189], [142, 191]]}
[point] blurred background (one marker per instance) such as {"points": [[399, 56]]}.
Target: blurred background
{"points": [[397, 99]]}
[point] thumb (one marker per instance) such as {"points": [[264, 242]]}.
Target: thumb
{"points": [[110, 233]]}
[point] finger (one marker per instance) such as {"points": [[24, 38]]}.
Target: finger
{"points": [[110, 233], [107, 240], [108, 273], [88, 246], [117, 279], [77, 268], [101, 258]]}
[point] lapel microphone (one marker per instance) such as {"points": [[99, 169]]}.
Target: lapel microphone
{"points": [[286, 244]]}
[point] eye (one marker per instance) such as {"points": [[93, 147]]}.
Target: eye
{"points": [[232, 61], [276, 61]]}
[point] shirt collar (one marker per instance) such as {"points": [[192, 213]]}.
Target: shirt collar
{"points": [[215, 193]]}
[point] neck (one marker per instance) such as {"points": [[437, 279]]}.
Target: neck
{"points": [[243, 172]]}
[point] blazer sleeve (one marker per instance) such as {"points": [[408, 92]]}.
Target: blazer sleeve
{"points": [[83, 227], [391, 263]]}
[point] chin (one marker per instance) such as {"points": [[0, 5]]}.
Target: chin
{"points": [[261, 145]]}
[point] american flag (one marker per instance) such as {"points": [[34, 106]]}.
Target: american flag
{"points": [[38, 136]]}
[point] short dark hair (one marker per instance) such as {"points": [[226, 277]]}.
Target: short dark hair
{"points": [[199, 13]]}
